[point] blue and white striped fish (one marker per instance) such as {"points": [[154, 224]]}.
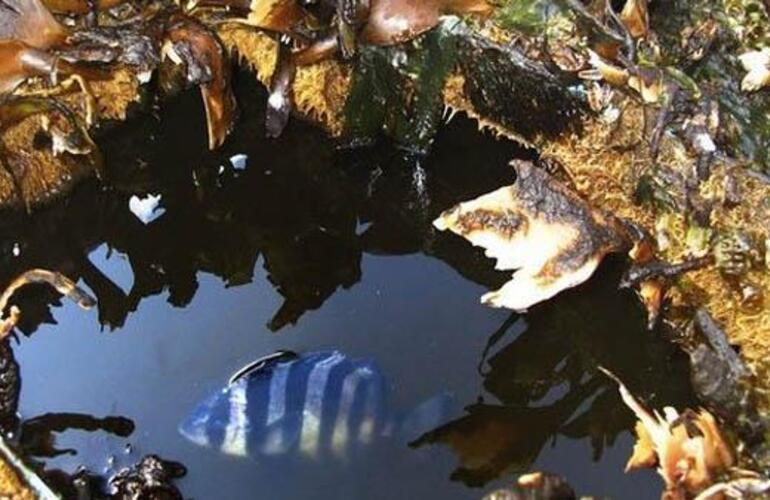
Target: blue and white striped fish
{"points": [[316, 405]]}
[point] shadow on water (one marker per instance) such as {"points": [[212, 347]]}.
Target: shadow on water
{"points": [[305, 221]]}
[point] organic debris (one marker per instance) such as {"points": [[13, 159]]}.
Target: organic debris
{"points": [[535, 486], [59, 282], [540, 229], [688, 449]]}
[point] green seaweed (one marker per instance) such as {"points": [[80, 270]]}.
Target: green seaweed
{"points": [[399, 90], [526, 16]]}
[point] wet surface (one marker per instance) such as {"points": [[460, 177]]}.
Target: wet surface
{"points": [[308, 248]]}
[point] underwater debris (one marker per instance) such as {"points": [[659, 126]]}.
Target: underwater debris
{"points": [[535, 486], [688, 449], [537, 227], [59, 282]]}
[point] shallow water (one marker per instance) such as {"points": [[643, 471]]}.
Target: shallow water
{"points": [[310, 248]]}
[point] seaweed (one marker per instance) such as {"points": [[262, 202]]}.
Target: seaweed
{"points": [[399, 90], [520, 94]]}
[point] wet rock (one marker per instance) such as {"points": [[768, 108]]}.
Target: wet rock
{"points": [[151, 479], [10, 384], [722, 380]]}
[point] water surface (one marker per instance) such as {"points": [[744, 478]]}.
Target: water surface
{"points": [[312, 248]]}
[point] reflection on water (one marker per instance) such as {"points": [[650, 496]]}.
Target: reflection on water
{"points": [[297, 226]]}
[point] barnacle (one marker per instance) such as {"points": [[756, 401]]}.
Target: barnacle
{"points": [[757, 65], [735, 253]]}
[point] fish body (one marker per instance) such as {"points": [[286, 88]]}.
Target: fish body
{"points": [[318, 405]]}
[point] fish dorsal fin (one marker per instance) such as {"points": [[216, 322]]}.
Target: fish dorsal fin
{"points": [[261, 364]]}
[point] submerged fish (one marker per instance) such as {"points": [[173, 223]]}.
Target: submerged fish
{"points": [[314, 405]]}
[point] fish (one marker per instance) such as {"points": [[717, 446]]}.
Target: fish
{"points": [[318, 405]]}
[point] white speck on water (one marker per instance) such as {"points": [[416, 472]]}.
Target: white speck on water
{"points": [[147, 209], [239, 161], [221, 170], [361, 227], [16, 251]]}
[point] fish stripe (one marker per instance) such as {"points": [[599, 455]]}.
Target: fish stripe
{"points": [[313, 408], [275, 441], [350, 385], [236, 432], [220, 414], [331, 403], [373, 405]]}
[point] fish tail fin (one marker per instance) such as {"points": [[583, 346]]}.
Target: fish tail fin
{"points": [[428, 415]]}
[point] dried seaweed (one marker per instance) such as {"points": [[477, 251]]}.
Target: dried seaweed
{"points": [[539, 228]]}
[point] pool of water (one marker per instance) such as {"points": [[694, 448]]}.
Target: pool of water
{"points": [[310, 248]]}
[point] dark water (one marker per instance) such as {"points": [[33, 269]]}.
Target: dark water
{"points": [[310, 248]]}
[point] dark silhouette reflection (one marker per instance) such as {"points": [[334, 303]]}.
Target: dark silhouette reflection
{"points": [[308, 210], [545, 382], [36, 435]]}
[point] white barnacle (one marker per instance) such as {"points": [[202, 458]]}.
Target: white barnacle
{"points": [[757, 65]]}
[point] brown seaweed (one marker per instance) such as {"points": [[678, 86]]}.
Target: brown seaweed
{"points": [[540, 229]]}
